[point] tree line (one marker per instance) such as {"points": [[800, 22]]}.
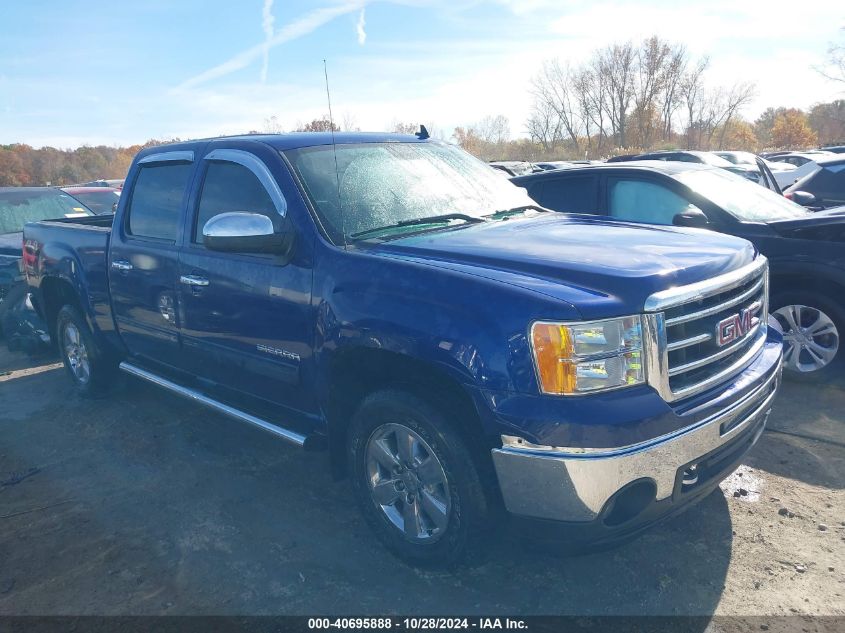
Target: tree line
{"points": [[22, 165], [624, 99]]}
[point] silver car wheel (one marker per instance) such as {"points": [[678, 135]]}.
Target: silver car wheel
{"points": [[76, 353], [810, 338], [408, 483]]}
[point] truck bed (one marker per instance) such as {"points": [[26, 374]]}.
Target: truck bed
{"points": [[93, 221], [72, 252]]}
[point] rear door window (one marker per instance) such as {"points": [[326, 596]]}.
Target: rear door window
{"points": [[575, 195], [155, 209]]}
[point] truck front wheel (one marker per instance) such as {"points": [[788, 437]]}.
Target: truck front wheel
{"points": [[80, 355], [415, 480]]}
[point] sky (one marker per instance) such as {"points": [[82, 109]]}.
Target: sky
{"points": [[76, 72]]}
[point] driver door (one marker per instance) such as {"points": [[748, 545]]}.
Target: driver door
{"points": [[244, 319]]}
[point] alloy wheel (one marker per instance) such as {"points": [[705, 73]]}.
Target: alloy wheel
{"points": [[407, 482], [810, 338], [76, 353]]}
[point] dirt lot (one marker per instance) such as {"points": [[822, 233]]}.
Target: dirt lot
{"points": [[142, 503]]}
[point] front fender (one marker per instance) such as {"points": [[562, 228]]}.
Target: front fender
{"points": [[473, 328]]}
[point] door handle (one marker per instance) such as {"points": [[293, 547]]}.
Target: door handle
{"points": [[121, 264], [193, 280]]}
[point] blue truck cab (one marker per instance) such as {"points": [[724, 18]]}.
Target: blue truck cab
{"points": [[462, 354]]}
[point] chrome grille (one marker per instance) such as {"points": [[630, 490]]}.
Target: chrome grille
{"points": [[698, 333]]}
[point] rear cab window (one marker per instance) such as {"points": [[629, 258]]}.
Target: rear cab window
{"points": [[157, 198]]}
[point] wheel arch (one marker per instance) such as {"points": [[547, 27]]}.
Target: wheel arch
{"points": [[56, 292], [357, 372], [831, 289]]}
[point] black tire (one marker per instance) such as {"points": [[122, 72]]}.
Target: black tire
{"points": [[468, 511], [815, 301], [100, 372]]}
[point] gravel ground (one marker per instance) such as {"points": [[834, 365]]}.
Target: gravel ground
{"points": [[142, 503]]}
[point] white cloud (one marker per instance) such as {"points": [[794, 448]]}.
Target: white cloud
{"points": [[359, 28], [300, 27], [267, 21], [445, 78]]}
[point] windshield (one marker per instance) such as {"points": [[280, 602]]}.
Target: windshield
{"points": [[17, 207], [382, 184], [99, 202], [741, 198]]}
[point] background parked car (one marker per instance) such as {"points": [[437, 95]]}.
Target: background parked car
{"points": [[781, 172], [551, 164], [805, 249], [513, 167], [19, 205], [836, 149], [703, 158], [116, 183], [786, 179], [824, 184], [800, 158], [100, 200]]}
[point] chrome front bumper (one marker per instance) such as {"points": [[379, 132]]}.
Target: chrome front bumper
{"points": [[575, 486]]}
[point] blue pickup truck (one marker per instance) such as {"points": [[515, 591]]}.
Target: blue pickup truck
{"points": [[464, 356]]}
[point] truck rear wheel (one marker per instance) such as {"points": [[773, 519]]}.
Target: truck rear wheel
{"points": [[82, 359], [415, 480]]}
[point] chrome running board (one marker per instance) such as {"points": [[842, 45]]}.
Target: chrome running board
{"points": [[196, 396]]}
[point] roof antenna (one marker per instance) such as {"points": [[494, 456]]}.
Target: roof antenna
{"points": [[334, 151], [422, 134]]}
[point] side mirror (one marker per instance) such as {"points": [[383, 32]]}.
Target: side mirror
{"points": [[239, 232], [804, 198], [691, 217]]}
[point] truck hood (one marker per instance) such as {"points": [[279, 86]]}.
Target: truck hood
{"points": [[604, 268], [826, 225], [10, 244]]}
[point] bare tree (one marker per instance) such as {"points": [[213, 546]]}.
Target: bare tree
{"points": [[651, 61], [399, 127], [676, 67], [618, 65], [553, 91], [493, 129], [691, 91], [834, 67], [272, 125], [350, 123], [739, 96], [592, 83], [543, 126]]}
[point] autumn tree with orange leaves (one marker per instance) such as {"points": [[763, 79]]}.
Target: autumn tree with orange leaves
{"points": [[792, 129]]}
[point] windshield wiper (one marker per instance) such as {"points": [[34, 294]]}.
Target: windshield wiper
{"points": [[506, 213], [434, 219]]}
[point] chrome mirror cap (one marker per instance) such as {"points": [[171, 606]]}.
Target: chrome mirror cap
{"points": [[240, 232], [238, 224]]}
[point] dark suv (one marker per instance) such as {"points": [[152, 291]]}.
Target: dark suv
{"points": [[805, 249]]}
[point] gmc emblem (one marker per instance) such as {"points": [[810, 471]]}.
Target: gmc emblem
{"points": [[737, 325]]}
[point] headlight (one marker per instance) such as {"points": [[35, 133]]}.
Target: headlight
{"points": [[588, 356]]}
